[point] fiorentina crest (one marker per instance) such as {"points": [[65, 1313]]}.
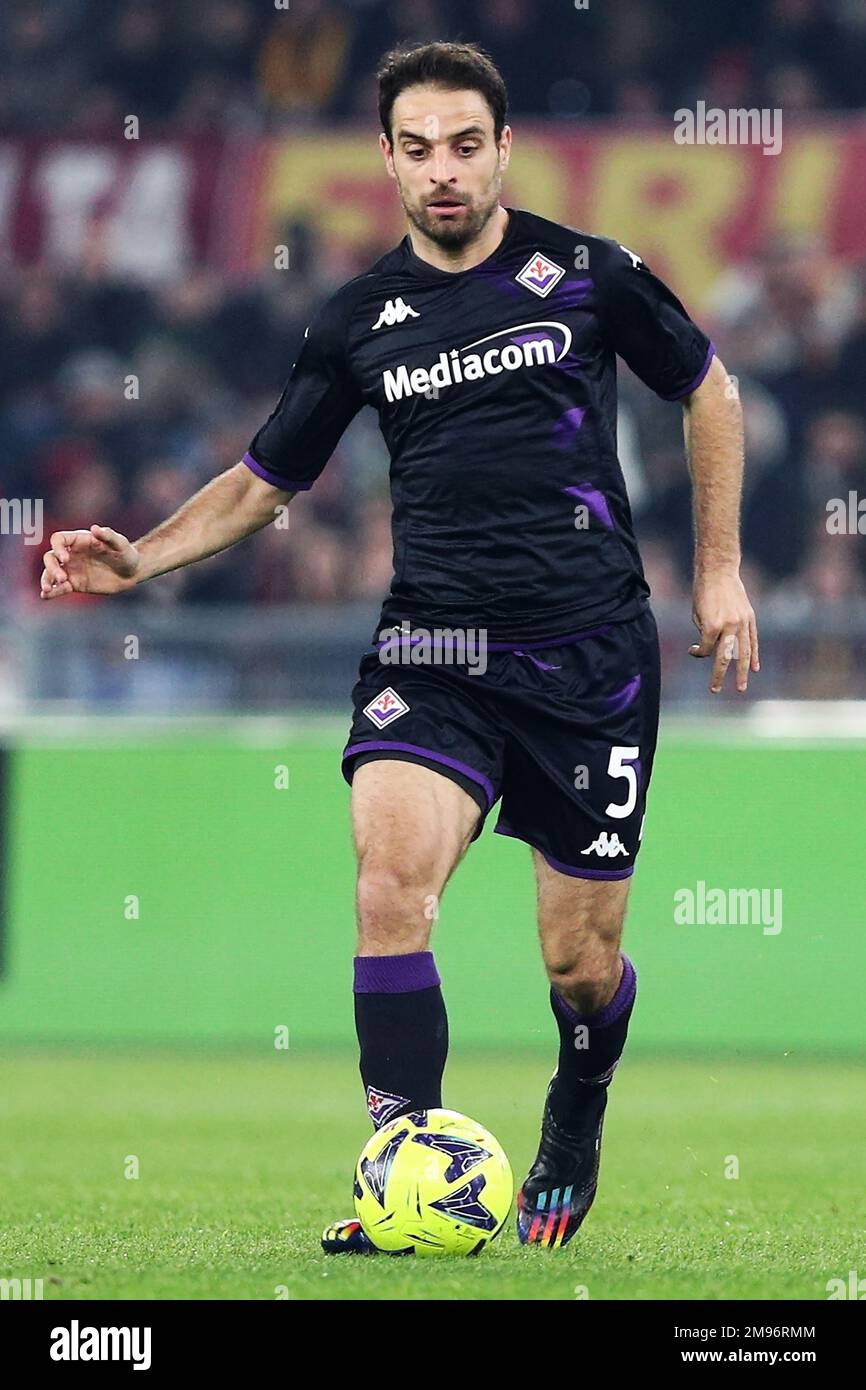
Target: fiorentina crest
{"points": [[540, 275], [382, 1105], [385, 708]]}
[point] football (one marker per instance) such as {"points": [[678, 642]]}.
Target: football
{"points": [[433, 1182]]}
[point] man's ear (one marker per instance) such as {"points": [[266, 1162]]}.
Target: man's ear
{"points": [[504, 148], [387, 153]]}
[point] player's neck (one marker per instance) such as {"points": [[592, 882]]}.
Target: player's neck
{"points": [[468, 256]]}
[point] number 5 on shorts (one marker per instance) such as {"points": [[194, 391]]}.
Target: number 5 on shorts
{"points": [[620, 765]]}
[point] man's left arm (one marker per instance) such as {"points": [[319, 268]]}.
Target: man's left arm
{"points": [[722, 613]]}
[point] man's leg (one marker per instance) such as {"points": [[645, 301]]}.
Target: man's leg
{"points": [[592, 985], [411, 827], [592, 991]]}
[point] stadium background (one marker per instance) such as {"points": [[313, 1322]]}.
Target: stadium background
{"points": [[161, 888]]}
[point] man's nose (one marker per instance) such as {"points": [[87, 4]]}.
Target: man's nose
{"points": [[441, 172]]}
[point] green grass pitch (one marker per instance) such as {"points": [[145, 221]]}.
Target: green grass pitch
{"points": [[242, 1161]]}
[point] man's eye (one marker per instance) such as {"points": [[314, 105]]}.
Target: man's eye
{"points": [[470, 149], [415, 153]]}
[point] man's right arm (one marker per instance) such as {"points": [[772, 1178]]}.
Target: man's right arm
{"points": [[101, 561], [228, 508]]}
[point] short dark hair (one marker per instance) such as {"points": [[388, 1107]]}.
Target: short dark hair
{"points": [[452, 66]]}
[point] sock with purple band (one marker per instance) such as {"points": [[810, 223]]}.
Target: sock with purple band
{"points": [[590, 1045], [402, 1032]]}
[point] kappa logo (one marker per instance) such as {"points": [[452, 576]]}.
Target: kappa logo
{"points": [[395, 311], [385, 708], [540, 275], [636, 260], [607, 846], [383, 1104]]}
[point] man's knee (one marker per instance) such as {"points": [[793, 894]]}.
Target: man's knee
{"points": [[588, 981], [580, 923], [397, 899], [583, 964]]}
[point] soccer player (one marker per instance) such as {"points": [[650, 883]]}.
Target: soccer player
{"points": [[516, 655]]}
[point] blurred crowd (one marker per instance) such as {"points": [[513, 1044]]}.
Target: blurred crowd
{"points": [[791, 330], [84, 64]]}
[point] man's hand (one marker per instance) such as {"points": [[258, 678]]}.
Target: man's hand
{"points": [[98, 561], [726, 621]]}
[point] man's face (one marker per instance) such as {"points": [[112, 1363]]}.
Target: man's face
{"points": [[446, 162]]}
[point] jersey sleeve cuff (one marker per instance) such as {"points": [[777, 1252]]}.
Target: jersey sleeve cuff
{"points": [[275, 479], [693, 385]]}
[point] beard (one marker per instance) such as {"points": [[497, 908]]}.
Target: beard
{"points": [[457, 233]]}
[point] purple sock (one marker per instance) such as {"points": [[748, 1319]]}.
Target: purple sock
{"points": [[402, 1032], [590, 1046]]}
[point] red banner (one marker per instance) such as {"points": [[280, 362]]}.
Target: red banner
{"points": [[142, 209], [148, 210]]}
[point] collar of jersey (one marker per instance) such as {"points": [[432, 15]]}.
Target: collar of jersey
{"points": [[424, 268]]}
